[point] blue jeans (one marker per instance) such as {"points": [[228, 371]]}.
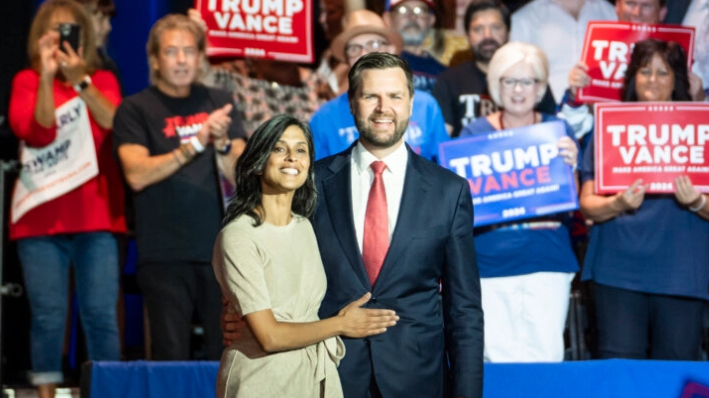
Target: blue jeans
{"points": [[45, 263]]}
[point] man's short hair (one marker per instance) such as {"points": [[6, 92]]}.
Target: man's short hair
{"points": [[172, 22], [477, 6], [377, 60], [511, 54]]}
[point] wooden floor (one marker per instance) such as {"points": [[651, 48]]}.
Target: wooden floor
{"points": [[32, 393]]}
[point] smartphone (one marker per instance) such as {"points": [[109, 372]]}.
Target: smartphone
{"points": [[69, 32]]}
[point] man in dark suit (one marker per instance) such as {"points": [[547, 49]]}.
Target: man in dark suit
{"points": [[391, 223], [394, 224]]}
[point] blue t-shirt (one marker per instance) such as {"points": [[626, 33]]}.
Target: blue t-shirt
{"points": [[660, 248], [425, 68], [518, 248], [334, 128]]}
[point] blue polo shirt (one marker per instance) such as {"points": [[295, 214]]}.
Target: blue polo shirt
{"points": [[334, 128]]}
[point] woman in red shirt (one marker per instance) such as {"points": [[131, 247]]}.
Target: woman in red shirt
{"points": [[68, 201]]}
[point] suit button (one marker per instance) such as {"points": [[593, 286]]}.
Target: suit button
{"points": [[373, 300]]}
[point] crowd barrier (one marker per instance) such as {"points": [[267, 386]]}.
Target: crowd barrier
{"points": [[578, 379]]}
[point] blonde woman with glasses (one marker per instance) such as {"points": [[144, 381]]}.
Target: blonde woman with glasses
{"points": [[525, 267]]}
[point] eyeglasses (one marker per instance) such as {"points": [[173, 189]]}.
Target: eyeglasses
{"points": [[353, 50], [511, 82], [416, 11]]}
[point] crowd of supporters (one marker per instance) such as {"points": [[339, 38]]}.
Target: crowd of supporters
{"points": [[174, 146]]}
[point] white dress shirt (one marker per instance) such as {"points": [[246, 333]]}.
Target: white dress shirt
{"points": [[548, 26], [698, 16], [362, 178]]}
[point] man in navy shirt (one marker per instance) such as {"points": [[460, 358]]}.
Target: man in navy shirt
{"points": [[414, 20]]}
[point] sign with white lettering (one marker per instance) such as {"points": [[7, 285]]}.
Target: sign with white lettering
{"points": [[607, 49], [271, 29], [655, 141], [65, 164], [513, 174]]}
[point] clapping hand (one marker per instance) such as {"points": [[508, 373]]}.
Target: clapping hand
{"points": [[218, 122]]}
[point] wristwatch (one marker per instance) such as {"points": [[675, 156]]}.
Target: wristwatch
{"points": [[226, 148], [81, 86]]}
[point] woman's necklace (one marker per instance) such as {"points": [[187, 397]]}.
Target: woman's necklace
{"points": [[502, 124]]}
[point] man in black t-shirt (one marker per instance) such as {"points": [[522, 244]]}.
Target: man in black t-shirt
{"points": [[174, 141], [461, 91]]}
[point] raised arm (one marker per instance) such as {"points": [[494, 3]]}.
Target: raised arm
{"points": [[44, 103], [74, 69]]}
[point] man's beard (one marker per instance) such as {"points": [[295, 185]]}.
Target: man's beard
{"points": [[376, 140], [413, 34], [484, 51]]}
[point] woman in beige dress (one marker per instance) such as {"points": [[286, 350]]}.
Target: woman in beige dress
{"points": [[267, 262]]}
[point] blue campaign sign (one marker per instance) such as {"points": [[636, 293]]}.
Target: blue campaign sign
{"points": [[513, 174]]}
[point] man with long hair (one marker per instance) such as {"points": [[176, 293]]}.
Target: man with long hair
{"points": [[171, 138]]}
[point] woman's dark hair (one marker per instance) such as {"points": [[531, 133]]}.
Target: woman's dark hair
{"points": [[671, 53], [252, 162]]}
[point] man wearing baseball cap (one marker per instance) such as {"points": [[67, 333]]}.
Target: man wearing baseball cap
{"points": [[414, 20], [333, 126]]}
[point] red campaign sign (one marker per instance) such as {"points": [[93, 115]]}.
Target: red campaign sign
{"points": [[270, 29], [607, 49], [655, 141]]}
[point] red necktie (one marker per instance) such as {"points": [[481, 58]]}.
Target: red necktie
{"points": [[375, 242]]}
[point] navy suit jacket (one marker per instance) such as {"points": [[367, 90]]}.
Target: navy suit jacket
{"points": [[432, 241]]}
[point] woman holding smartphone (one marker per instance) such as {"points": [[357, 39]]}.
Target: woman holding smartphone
{"points": [[58, 103], [267, 262]]}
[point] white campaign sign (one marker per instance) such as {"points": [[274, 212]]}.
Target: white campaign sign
{"points": [[62, 166]]}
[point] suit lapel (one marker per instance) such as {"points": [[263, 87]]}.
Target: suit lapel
{"points": [[413, 199], [337, 192]]}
